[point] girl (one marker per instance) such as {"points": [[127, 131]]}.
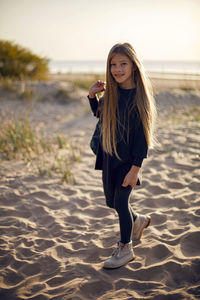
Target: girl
{"points": [[126, 114]]}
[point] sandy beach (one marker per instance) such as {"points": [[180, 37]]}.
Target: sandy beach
{"points": [[55, 236]]}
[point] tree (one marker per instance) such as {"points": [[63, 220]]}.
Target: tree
{"points": [[20, 63]]}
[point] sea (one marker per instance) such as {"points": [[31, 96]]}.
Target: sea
{"points": [[190, 69]]}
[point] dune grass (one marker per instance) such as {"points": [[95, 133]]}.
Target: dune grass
{"points": [[193, 113], [86, 82], [184, 115], [18, 140], [6, 84], [27, 94], [63, 96]]}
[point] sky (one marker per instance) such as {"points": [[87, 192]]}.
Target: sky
{"points": [[87, 29]]}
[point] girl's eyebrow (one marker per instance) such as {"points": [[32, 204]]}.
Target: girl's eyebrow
{"points": [[120, 61]]}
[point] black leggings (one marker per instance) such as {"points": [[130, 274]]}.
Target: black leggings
{"points": [[117, 197]]}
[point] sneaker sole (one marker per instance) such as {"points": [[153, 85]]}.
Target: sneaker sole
{"points": [[141, 232]]}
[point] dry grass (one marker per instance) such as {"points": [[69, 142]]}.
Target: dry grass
{"points": [[18, 140], [83, 81]]}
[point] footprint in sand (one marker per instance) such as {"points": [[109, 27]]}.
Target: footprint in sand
{"points": [[190, 244], [157, 254]]}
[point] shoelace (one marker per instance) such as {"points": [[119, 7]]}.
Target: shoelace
{"points": [[117, 250]]}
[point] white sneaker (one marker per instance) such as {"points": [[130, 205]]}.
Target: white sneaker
{"points": [[122, 255], [141, 222]]}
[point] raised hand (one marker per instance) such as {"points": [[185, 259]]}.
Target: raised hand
{"points": [[97, 87]]}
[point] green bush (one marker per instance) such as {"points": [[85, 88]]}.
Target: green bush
{"points": [[20, 63]]}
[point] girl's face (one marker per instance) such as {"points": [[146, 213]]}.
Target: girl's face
{"points": [[121, 68]]}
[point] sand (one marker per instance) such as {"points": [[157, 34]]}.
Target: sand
{"points": [[55, 237]]}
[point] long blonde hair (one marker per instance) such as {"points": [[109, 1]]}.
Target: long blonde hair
{"points": [[144, 100]]}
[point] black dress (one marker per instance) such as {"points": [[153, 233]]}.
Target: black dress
{"points": [[131, 148]]}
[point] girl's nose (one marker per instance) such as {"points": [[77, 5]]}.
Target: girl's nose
{"points": [[118, 68]]}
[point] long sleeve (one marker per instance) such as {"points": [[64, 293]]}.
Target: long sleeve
{"points": [[132, 149], [96, 106], [93, 105], [137, 161], [139, 146]]}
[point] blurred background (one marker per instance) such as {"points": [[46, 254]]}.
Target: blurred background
{"points": [[76, 36]]}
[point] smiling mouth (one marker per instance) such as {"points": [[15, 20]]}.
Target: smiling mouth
{"points": [[119, 75]]}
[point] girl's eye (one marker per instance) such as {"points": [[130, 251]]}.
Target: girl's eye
{"points": [[123, 64]]}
